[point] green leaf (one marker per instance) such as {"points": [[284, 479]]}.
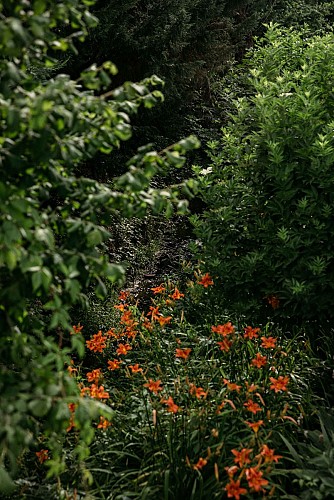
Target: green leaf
{"points": [[7, 486], [40, 407]]}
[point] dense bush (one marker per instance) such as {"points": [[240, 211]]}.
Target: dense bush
{"points": [[51, 222], [267, 235]]}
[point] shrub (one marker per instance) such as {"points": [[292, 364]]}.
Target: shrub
{"points": [[51, 222], [267, 233]]}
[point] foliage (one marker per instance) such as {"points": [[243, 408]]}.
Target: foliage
{"points": [[52, 220], [315, 461], [195, 409], [267, 234]]}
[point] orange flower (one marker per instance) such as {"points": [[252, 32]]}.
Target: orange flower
{"points": [[97, 342], [255, 425], [234, 490], [148, 325], [252, 407], [71, 370], [259, 360], [254, 478], [225, 345], [94, 375], [158, 289], [122, 349], [205, 280], [154, 313], [126, 318], [42, 455], [199, 392], [251, 387], [231, 470], [273, 301], [135, 368], [154, 386], [76, 329], [164, 320], [123, 295], [72, 407], [121, 307], [111, 333], [268, 342], [279, 384], [226, 329], [223, 404], [98, 392], [251, 333], [114, 365], [231, 385], [200, 464], [268, 454], [172, 407], [177, 295], [242, 457], [183, 353], [104, 423]]}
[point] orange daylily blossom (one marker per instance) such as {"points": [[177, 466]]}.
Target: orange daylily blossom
{"points": [[242, 457], [268, 342], [254, 478], [158, 289], [223, 404], [279, 384], [135, 368], [127, 318], [121, 307], [111, 333], [94, 375], [273, 301], [252, 407], [122, 349], [42, 455], [76, 328], [200, 464], [176, 295], [72, 408], [183, 353], [199, 392], [231, 470], [172, 407], [234, 489], [114, 365], [104, 423], [250, 387], [148, 325], [71, 370], [123, 295], [98, 392], [259, 360], [225, 345], [154, 313], [205, 280], [268, 454], [130, 332], [251, 333], [154, 386], [255, 425], [231, 385], [226, 329], [164, 320], [97, 342]]}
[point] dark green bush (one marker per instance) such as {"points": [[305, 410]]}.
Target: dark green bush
{"points": [[267, 233]]}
